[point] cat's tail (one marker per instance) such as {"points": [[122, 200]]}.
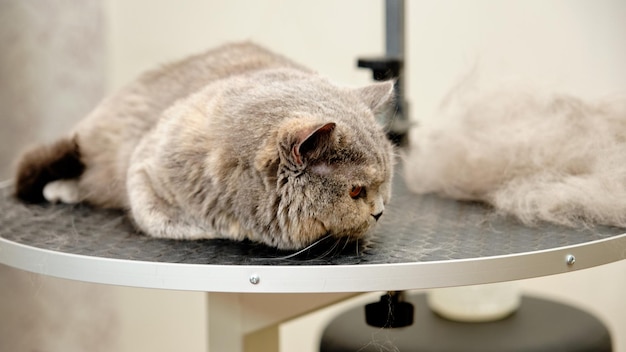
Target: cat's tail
{"points": [[43, 164]]}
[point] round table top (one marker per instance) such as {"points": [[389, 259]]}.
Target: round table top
{"points": [[422, 241]]}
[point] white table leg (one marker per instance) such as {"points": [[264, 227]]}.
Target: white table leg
{"points": [[234, 316]]}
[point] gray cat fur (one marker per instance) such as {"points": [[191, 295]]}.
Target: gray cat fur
{"points": [[236, 142]]}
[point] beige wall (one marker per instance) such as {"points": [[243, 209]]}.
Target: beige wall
{"points": [[323, 34], [51, 74]]}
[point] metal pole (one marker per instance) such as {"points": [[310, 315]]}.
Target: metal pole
{"points": [[394, 28], [394, 48]]}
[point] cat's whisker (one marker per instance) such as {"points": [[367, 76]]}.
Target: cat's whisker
{"points": [[331, 250], [346, 241], [292, 255]]}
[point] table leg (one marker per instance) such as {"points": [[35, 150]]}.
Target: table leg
{"points": [[241, 322]]}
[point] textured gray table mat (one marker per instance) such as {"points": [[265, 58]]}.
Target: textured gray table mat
{"points": [[413, 229]]}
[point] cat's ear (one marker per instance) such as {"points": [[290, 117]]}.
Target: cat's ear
{"points": [[312, 142], [377, 96]]}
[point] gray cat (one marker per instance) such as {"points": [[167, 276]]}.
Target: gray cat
{"points": [[235, 143]]}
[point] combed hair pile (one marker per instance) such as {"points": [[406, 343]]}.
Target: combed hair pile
{"points": [[536, 156]]}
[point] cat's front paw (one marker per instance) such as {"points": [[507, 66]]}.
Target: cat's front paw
{"points": [[64, 191]]}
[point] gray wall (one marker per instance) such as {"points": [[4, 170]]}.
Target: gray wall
{"points": [[51, 74]]}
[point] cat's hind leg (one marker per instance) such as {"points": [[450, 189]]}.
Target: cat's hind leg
{"points": [[64, 191], [45, 164]]}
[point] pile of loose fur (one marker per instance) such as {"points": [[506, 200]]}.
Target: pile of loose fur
{"points": [[539, 157]]}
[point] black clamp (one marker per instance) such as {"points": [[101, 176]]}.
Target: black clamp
{"points": [[383, 69], [389, 312]]}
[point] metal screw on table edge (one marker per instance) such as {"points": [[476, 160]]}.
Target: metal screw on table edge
{"points": [[254, 279], [570, 259]]}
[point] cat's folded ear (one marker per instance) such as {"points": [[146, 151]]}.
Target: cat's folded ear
{"points": [[312, 142], [295, 143], [377, 96]]}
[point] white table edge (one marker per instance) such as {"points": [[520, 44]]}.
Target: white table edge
{"points": [[312, 279]]}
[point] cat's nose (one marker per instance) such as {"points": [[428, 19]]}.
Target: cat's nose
{"points": [[377, 216]]}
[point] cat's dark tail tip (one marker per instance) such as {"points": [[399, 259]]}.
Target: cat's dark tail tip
{"points": [[46, 163]]}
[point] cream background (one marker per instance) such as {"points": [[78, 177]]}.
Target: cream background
{"points": [[576, 46], [51, 73]]}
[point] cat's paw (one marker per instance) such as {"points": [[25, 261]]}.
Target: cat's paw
{"points": [[64, 191]]}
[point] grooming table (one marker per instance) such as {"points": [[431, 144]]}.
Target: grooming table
{"points": [[421, 242]]}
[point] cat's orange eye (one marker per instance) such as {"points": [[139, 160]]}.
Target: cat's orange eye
{"points": [[357, 192]]}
